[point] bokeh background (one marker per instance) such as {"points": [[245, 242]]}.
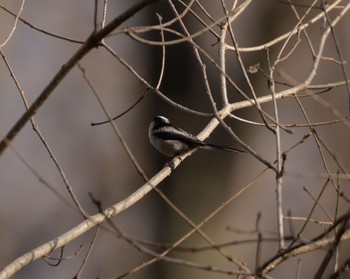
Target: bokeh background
{"points": [[94, 161]]}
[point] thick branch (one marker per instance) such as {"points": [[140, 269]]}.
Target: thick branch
{"points": [[93, 41], [83, 227]]}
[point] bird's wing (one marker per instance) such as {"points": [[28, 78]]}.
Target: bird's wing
{"points": [[174, 133], [169, 133]]}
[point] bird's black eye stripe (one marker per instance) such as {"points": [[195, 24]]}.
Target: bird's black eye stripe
{"points": [[161, 125]]}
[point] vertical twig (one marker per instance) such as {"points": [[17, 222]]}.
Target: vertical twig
{"points": [[104, 13], [279, 200], [258, 243], [339, 52], [222, 63], [96, 16]]}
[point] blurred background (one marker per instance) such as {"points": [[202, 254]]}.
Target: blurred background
{"points": [[94, 160]]}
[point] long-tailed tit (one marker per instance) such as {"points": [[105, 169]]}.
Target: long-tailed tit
{"points": [[172, 141]]}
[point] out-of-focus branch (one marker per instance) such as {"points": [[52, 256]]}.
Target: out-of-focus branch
{"points": [[92, 41]]}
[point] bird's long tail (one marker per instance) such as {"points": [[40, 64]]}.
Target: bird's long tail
{"points": [[222, 148]]}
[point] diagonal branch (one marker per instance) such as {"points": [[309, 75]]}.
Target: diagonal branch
{"points": [[92, 41]]}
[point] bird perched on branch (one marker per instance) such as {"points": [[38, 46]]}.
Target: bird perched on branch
{"points": [[172, 141]]}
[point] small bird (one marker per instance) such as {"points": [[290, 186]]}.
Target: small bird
{"points": [[172, 141]]}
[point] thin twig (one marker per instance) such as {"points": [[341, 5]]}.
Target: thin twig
{"points": [[146, 179], [279, 180], [89, 251], [92, 41], [339, 52], [332, 248], [316, 243], [17, 16], [26, 22], [45, 143]]}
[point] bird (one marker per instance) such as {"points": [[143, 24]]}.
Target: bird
{"points": [[173, 141]]}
